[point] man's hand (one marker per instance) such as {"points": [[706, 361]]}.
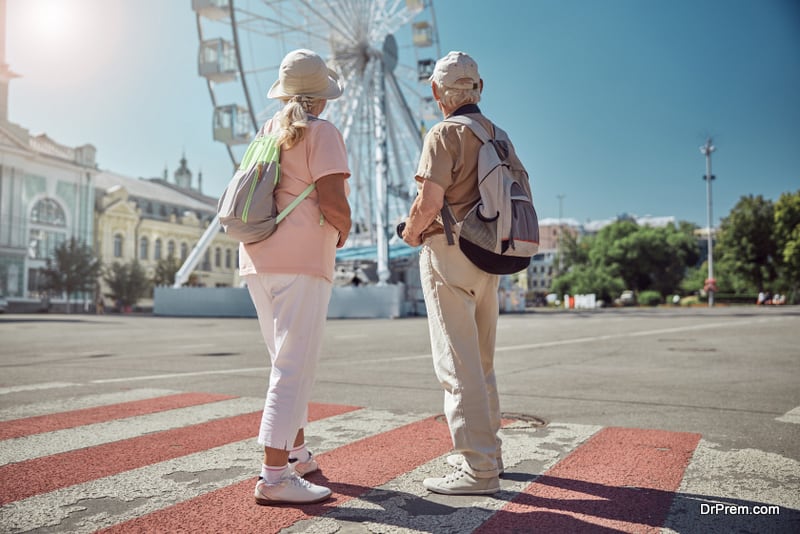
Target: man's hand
{"points": [[424, 210]]}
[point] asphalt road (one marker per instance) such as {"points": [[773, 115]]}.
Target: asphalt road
{"points": [[730, 374], [727, 373]]}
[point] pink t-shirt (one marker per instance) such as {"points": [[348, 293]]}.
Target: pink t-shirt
{"points": [[303, 243]]}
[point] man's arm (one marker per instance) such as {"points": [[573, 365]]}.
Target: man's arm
{"points": [[423, 211]]}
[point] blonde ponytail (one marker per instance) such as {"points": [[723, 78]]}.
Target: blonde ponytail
{"points": [[293, 120]]}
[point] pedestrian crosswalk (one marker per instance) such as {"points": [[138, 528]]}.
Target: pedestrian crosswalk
{"points": [[157, 460]]}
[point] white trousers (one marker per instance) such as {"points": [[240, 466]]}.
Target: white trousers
{"points": [[292, 309], [461, 302]]}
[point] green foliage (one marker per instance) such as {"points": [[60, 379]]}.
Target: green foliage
{"points": [[165, 271], [650, 298], [624, 255], [72, 269], [746, 246], [787, 241], [127, 282]]}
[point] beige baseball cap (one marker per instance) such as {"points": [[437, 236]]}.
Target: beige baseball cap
{"points": [[304, 73], [456, 70]]}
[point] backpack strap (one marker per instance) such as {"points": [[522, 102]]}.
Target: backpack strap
{"points": [[282, 215], [448, 220], [476, 127]]}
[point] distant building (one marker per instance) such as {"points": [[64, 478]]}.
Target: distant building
{"points": [[153, 220], [46, 198]]}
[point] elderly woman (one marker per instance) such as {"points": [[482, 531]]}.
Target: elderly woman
{"points": [[290, 274]]}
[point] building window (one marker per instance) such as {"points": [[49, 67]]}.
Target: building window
{"points": [[157, 250], [184, 251], [228, 259], [143, 246], [48, 211], [47, 229], [118, 246], [170, 249], [218, 257]]}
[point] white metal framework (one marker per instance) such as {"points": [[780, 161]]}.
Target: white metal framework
{"points": [[383, 50]]}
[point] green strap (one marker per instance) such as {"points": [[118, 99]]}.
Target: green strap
{"points": [[282, 215]]}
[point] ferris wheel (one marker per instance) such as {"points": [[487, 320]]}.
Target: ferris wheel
{"points": [[383, 50]]}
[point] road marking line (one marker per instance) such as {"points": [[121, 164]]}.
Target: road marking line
{"points": [[153, 487], [71, 419], [181, 375], [622, 479], [70, 439], [36, 387], [792, 416], [47, 473], [548, 344]]}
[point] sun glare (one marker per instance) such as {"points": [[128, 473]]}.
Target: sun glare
{"points": [[53, 21]]}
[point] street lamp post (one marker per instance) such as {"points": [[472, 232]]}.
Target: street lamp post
{"points": [[710, 285]]}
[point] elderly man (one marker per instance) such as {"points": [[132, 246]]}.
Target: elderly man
{"points": [[461, 299]]}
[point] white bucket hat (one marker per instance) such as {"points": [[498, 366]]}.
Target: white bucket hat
{"points": [[304, 73]]}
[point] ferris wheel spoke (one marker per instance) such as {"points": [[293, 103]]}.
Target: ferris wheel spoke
{"points": [[376, 48]]}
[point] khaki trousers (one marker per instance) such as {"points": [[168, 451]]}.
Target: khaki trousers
{"points": [[462, 309]]}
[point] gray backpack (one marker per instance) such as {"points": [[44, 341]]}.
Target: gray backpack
{"points": [[247, 209], [500, 233]]}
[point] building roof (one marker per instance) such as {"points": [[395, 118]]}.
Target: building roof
{"points": [[153, 190]]}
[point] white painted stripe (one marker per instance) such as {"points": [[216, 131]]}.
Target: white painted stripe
{"points": [[148, 489], [792, 416], [740, 477], [561, 342], [36, 387], [37, 445], [79, 403], [531, 451], [181, 375]]}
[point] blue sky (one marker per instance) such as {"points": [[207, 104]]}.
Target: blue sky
{"points": [[607, 101]]}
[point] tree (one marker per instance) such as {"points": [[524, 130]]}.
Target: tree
{"points": [[165, 271], [746, 245], [127, 283], [787, 241], [624, 255], [72, 269]]}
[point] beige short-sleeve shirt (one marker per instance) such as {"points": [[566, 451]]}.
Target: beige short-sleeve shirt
{"points": [[449, 158]]}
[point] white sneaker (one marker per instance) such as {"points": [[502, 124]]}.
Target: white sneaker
{"points": [[304, 468], [456, 460], [290, 489], [459, 482]]}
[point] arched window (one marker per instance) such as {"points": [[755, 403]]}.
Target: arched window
{"points": [[184, 251], [218, 257], [157, 250], [170, 248], [48, 211], [118, 245], [144, 244], [228, 259]]}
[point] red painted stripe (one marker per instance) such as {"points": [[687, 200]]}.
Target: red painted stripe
{"points": [[621, 480], [49, 423], [33, 477], [350, 471]]}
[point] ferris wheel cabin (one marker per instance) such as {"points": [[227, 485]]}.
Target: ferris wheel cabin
{"points": [[211, 9], [217, 61], [232, 124]]}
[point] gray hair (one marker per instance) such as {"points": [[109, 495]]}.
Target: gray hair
{"points": [[293, 119], [455, 98]]}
